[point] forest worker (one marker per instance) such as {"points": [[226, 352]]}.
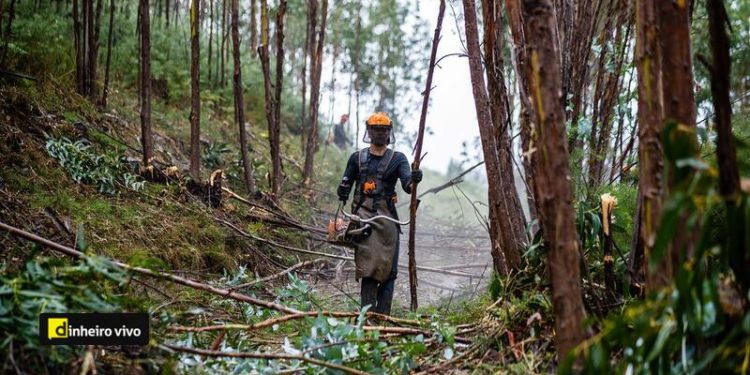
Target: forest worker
{"points": [[374, 171]]}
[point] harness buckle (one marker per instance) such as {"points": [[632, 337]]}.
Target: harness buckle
{"points": [[369, 187]]}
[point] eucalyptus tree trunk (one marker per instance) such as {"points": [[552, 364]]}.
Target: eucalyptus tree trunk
{"points": [[679, 106], [145, 30], [515, 21], [550, 161], [579, 46], [95, 47], [650, 154], [729, 181], [309, 30], [210, 38], [508, 226], [224, 34], [316, 67], [275, 133], [253, 25], [239, 102], [195, 90], [105, 90], [78, 45], [9, 30]]}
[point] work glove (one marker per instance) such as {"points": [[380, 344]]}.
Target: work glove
{"points": [[416, 176], [343, 191]]}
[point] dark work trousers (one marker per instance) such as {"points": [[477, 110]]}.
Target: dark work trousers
{"points": [[380, 295]]}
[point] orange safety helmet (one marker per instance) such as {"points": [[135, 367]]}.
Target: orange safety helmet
{"points": [[379, 119]]}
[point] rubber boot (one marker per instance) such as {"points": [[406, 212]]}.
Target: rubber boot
{"points": [[369, 293], [385, 296]]}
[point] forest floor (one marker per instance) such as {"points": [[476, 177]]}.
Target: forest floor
{"points": [[167, 228]]}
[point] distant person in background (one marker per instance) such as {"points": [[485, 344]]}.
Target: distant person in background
{"points": [[374, 171], [339, 133]]}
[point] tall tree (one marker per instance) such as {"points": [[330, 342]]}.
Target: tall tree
{"points": [[650, 125], [729, 181], [273, 94], [253, 26], [276, 174], [195, 90], [224, 35], [608, 84], [418, 157], [89, 45], [309, 30], [579, 40], [8, 31], [145, 30], [679, 107], [105, 91], [515, 21], [498, 213], [239, 102], [95, 48], [510, 220], [316, 67], [78, 46], [210, 36], [552, 174]]}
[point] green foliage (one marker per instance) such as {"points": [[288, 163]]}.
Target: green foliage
{"points": [[213, 155], [47, 285], [699, 323], [104, 171]]}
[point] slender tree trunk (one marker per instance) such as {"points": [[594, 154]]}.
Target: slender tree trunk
{"points": [[511, 223], [316, 67], [263, 55], [276, 139], [552, 175], [487, 135], [78, 43], [588, 12], [729, 181], [357, 86], [210, 37], [417, 159], [224, 33], [195, 90], [95, 48], [679, 106], [650, 153], [515, 20], [146, 137], [89, 48], [309, 30], [239, 102], [8, 31], [105, 91], [166, 13], [253, 26]]}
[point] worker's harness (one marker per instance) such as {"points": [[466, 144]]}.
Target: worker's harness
{"points": [[368, 194], [369, 186]]}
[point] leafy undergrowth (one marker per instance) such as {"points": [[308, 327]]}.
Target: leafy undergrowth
{"points": [[69, 176]]}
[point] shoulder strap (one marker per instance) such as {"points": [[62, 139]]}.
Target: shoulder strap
{"points": [[364, 159], [385, 162]]}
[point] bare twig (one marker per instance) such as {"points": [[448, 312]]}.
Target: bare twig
{"points": [[453, 181], [161, 275], [281, 319], [280, 274], [415, 164]]}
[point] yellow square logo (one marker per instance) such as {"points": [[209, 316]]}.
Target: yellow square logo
{"points": [[57, 328]]}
